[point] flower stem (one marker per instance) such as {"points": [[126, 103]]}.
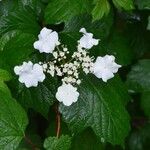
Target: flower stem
{"points": [[58, 120]]}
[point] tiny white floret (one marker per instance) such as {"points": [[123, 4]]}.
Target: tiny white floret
{"points": [[87, 41], [105, 67], [67, 94], [47, 42], [30, 74]]}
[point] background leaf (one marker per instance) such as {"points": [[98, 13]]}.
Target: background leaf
{"points": [[102, 8], [138, 78], [59, 11], [54, 143], [126, 4], [4, 76], [144, 4], [145, 103], [13, 122]]}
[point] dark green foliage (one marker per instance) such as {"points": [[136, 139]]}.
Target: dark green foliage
{"points": [[107, 116]]}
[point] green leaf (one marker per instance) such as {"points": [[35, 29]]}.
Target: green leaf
{"points": [[4, 76], [99, 107], [144, 4], [39, 98], [91, 142], [126, 4], [139, 139], [15, 49], [138, 77], [145, 103], [20, 18], [59, 11], [7, 6], [13, 122], [54, 143], [148, 26], [118, 46], [100, 28], [7, 37], [102, 8]]}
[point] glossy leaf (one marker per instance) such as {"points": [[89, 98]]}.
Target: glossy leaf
{"points": [[54, 143], [87, 140], [13, 122], [96, 108], [126, 4], [15, 49], [59, 11], [100, 28], [4, 76], [102, 8], [39, 98]]}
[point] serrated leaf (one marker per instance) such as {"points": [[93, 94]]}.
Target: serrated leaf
{"points": [[145, 103], [126, 4], [40, 98], [59, 11], [54, 143], [4, 76], [96, 108], [102, 8], [13, 122], [16, 48], [18, 17], [138, 77]]}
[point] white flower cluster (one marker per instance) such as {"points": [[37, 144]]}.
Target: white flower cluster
{"points": [[68, 69]]}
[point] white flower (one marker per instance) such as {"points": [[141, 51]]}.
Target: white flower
{"points": [[67, 94], [87, 41], [105, 67], [47, 42], [30, 74]]}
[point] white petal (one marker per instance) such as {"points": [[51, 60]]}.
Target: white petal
{"points": [[30, 74], [105, 67], [44, 33], [83, 30], [47, 42], [17, 70], [87, 41], [67, 94]]}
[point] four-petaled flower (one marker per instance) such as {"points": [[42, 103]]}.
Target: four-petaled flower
{"points": [[67, 94]]}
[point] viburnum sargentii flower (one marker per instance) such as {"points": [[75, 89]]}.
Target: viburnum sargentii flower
{"points": [[65, 67]]}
